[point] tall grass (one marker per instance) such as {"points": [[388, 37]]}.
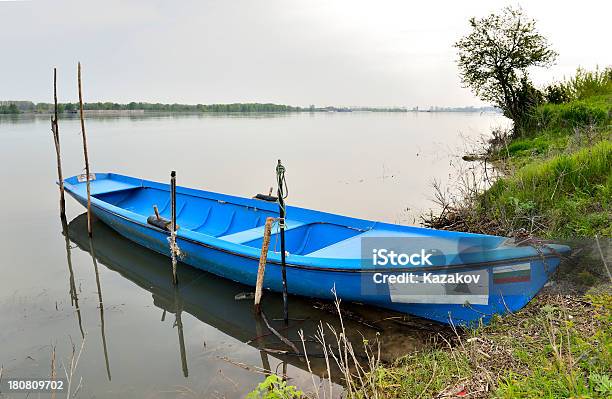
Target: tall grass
{"points": [[566, 195], [583, 100], [565, 117], [590, 83]]}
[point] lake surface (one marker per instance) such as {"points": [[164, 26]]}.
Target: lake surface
{"points": [[149, 339]]}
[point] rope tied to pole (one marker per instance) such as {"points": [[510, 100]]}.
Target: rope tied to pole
{"points": [[283, 190]]}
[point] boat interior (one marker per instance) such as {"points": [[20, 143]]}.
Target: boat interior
{"points": [[241, 221], [236, 223]]}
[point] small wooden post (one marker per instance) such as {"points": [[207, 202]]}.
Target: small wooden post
{"points": [[56, 140], [262, 263], [173, 225], [89, 231]]}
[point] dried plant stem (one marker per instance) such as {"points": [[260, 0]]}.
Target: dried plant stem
{"points": [[603, 259], [314, 384], [74, 362], [53, 373]]}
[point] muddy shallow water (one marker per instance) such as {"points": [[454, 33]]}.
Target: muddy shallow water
{"points": [[143, 337]]}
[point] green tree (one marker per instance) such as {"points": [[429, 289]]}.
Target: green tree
{"points": [[9, 109], [494, 58]]}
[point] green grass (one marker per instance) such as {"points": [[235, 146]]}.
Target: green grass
{"points": [[423, 374], [564, 117], [569, 194], [569, 362]]}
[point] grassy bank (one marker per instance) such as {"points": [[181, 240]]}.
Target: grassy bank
{"points": [[557, 347], [556, 172]]}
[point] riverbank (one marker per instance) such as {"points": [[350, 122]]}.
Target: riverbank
{"points": [[554, 182], [558, 346]]}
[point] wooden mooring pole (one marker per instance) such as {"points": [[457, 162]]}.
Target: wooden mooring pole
{"points": [[282, 194], [173, 249], [56, 140], [262, 263], [89, 231]]}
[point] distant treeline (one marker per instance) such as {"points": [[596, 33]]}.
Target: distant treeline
{"points": [[27, 106], [16, 107]]}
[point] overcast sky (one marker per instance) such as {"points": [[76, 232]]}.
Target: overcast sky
{"points": [[293, 52]]}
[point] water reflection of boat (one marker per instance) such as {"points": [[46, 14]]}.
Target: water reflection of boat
{"points": [[211, 299]]}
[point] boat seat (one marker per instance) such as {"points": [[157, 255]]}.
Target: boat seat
{"points": [[106, 186], [257, 232], [350, 248]]}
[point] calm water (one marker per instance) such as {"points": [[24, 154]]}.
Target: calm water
{"points": [[148, 339]]}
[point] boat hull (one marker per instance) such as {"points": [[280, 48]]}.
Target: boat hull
{"points": [[504, 295]]}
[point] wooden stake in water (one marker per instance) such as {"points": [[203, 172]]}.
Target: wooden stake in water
{"points": [[56, 140], [85, 153], [262, 263], [173, 249]]}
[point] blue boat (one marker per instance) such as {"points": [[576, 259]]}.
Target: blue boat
{"points": [[450, 277]]}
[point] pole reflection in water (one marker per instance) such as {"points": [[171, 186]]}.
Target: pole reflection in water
{"points": [[178, 323], [259, 340], [101, 306], [74, 299]]}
